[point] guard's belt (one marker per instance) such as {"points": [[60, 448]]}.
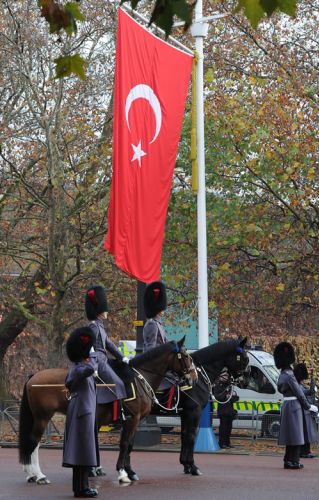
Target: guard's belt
{"points": [[290, 398]]}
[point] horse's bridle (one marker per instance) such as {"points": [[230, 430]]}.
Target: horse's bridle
{"points": [[184, 356]]}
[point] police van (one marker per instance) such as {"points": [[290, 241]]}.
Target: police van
{"points": [[259, 404]]}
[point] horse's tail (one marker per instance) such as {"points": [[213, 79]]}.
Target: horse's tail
{"points": [[27, 444]]}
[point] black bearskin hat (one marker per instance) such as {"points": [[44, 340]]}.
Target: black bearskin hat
{"points": [[79, 343], [95, 302], [155, 299], [284, 355], [301, 372]]}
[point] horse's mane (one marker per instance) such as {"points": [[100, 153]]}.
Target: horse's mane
{"points": [[215, 352], [145, 357]]}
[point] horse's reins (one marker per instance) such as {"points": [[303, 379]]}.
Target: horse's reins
{"points": [[210, 386], [149, 389], [185, 371], [105, 384], [151, 393]]}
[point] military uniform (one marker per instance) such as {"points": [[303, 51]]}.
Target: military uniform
{"points": [[291, 433], [80, 446], [226, 413], [103, 345], [153, 333], [155, 301], [310, 428], [96, 304], [292, 425]]}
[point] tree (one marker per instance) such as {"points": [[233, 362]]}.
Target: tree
{"points": [[55, 175], [261, 173], [63, 17]]}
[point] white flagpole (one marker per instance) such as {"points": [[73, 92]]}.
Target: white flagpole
{"points": [[199, 32]]}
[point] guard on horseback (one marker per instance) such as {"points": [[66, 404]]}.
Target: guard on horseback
{"points": [[155, 303], [97, 310]]}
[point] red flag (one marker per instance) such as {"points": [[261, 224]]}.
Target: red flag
{"points": [[151, 80]]}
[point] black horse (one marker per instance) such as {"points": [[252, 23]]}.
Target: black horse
{"points": [[209, 361]]}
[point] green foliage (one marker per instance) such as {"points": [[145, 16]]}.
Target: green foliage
{"points": [[61, 17], [65, 17], [165, 10], [255, 10], [68, 65]]}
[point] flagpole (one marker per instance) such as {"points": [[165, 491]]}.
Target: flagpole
{"points": [[199, 31], [206, 440]]}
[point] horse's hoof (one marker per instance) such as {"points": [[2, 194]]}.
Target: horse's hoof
{"points": [[192, 469], [32, 479], [93, 472], [100, 471], [43, 480], [123, 477], [133, 476], [195, 471]]}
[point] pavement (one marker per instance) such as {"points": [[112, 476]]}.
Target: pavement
{"points": [[225, 477]]}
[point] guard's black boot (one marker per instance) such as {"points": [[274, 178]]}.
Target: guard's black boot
{"points": [[87, 493], [291, 465]]}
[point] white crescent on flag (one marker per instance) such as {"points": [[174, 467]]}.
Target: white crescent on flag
{"points": [[143, 91]]}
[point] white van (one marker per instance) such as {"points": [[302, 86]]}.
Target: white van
{"points": [[261, 400]]}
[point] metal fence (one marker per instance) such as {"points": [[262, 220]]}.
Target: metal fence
{"points": [[253, 421], [9, 425]]}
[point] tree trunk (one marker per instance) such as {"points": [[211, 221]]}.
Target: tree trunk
{"points": [[16, 320]]}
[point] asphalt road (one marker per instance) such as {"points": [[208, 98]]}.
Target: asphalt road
{"points": [[225, 477]]}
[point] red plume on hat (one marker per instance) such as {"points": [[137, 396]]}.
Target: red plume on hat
{"points": [[91, 294], [284, 355], [155, 299], [79, 343], [95, 302]]}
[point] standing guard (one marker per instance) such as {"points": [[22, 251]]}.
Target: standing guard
{"points": [[311, 434], [291, 433], [80, 446]]}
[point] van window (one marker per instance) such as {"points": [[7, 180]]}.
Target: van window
{"points": [[258, 382], [272, 372]]}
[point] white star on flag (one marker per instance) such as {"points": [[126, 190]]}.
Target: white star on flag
{"points": [[138, 153]]}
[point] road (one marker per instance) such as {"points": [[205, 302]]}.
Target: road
{"points": [[225, 477]]}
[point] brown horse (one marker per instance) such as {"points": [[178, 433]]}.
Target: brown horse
{"points": [[43, 397]]}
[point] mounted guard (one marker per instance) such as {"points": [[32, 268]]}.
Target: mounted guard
{"points": [[155, 303], [96, 309]]}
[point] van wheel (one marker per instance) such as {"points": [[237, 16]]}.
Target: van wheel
{"points": [[271, 425]]}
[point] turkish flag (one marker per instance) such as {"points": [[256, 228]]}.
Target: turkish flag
{"points": [[151, 81]]}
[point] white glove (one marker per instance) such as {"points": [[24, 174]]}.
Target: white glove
{"points": [[313, 408], [125, 360], [92, 349], [95, 374]]}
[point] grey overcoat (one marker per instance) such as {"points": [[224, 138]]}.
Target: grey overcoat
{"points": [[312, 433], [80, 446], [103, 345], [154, 335], [291, 431]]}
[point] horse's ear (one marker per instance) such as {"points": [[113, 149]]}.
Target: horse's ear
{"points": [[180, 343]]}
